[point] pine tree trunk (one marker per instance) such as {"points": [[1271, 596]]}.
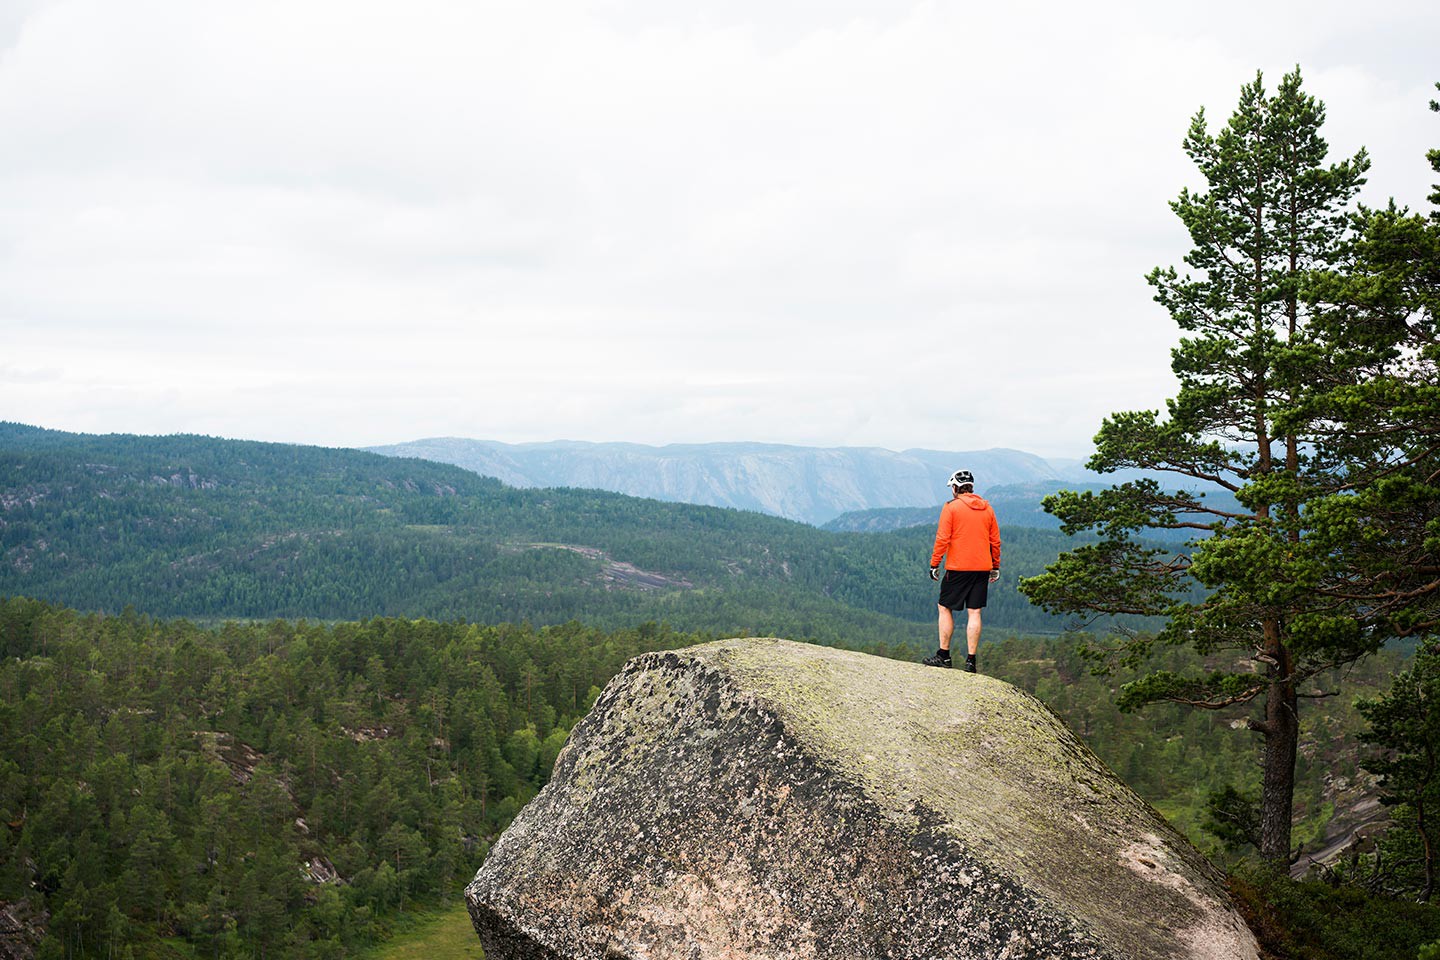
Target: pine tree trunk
{"points": [[1281, 730], [1422, 824], [1429, 853]]}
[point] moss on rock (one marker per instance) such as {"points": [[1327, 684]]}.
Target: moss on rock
{"points": [[762, 798]]}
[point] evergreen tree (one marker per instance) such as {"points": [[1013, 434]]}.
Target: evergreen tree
{"points": [[1379, 412], [1272, 213], [1405, 727], [1381, 532]]}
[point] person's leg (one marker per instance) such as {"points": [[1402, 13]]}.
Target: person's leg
{"points": [[947, 627], [972, 638], [941, 657], [972, 631]]}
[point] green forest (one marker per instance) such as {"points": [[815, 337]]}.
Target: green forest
{"points": [[275, 789], [290, 788]]}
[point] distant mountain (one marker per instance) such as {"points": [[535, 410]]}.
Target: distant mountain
{"points": [[884, 519], [811, 484], [1016, 505]]}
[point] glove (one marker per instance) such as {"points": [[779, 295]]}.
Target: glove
{"points": [[995, 575], [935, 574]]}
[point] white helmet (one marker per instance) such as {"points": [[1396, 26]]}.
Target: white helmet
{"points": [[961, 477]]}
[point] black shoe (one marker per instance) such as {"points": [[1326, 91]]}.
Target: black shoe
{"points": [[970, 665], [935, 660]]}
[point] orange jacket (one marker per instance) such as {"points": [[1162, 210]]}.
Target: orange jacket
{"points": [[968, 536]]}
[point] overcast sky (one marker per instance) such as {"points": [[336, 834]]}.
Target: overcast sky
{"points": [[826, 222]]}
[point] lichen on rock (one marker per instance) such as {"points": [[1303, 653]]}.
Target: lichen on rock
{"points": [[767, 799]]}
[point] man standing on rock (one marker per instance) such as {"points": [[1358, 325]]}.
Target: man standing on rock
{"points": [[969, 539]]}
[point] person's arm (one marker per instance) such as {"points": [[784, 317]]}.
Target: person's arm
{"points": [[942, 537], [994, 547]]}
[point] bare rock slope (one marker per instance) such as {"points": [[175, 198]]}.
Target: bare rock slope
{"points": [[768, 799]]}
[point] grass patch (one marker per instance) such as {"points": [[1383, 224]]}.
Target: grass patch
{"points": [[444, 934]]}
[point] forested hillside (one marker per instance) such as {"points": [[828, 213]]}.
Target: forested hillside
{"points": [[207, 528], [271, 789], [286, 788]]}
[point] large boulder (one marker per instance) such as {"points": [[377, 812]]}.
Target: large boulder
{"points": [[768, 799]]}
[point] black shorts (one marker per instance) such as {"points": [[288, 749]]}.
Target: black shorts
{"points": [[965, 589]]}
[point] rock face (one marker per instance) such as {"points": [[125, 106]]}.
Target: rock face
{"points": [[22, 927], [766, 799]]}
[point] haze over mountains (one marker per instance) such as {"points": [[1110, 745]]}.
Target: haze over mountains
{"points": [[811, 484]]}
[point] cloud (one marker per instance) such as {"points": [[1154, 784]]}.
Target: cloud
{"points": [[843, 222], [11, 373]]}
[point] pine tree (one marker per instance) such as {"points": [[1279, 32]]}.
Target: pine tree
{"points": [[1382, 531], [1380, 419], [1272, 213], [1405, 730]]}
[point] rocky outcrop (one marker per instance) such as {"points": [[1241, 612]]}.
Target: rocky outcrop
{"points": [[767, 799], [22, 927], [1358, 820]]}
